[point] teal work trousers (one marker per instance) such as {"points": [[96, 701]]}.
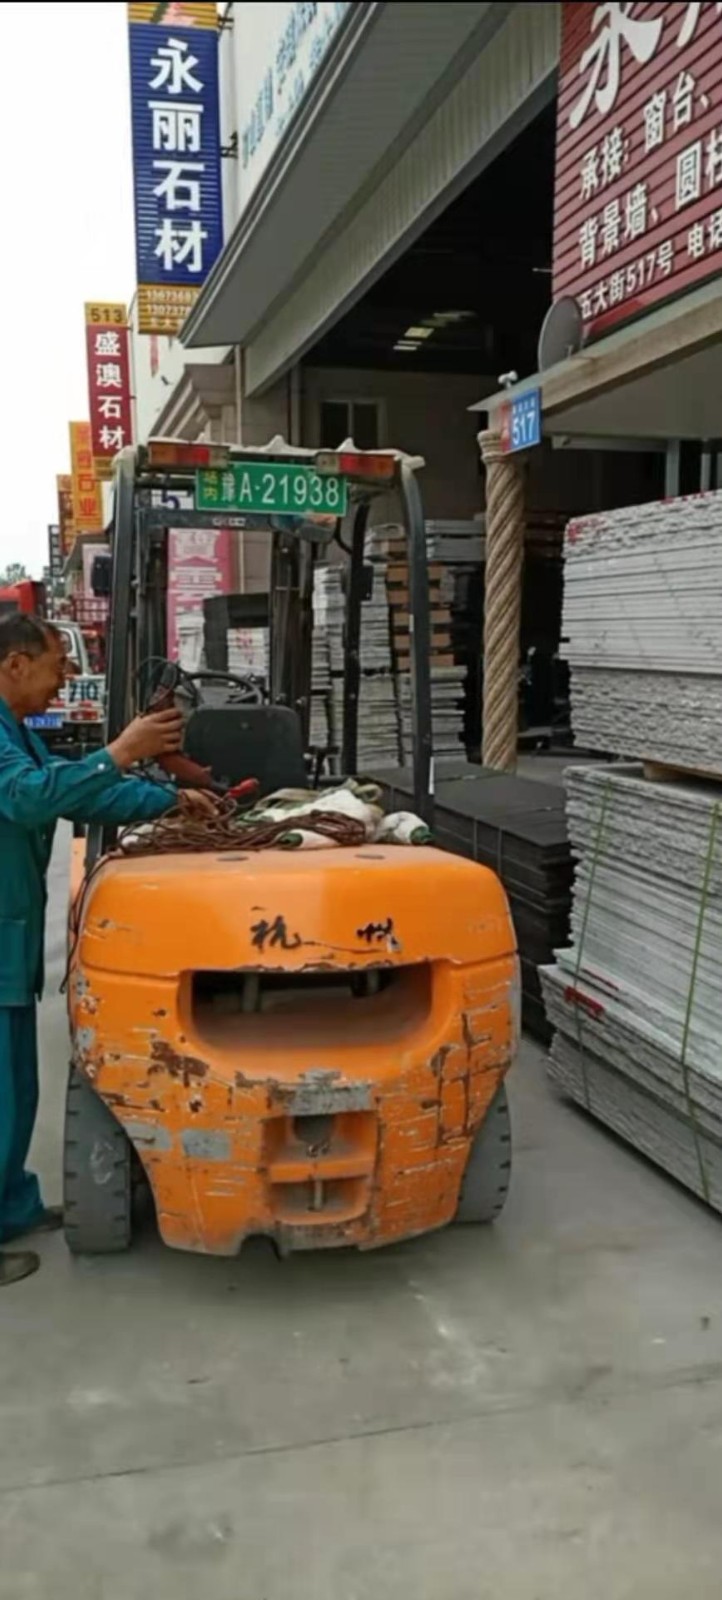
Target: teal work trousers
{"points": [[20, 1201]]}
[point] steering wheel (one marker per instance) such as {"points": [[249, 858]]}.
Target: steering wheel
{"points": [[248, 690]]}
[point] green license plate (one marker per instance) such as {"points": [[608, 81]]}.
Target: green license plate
{"points": [[270, 487]]}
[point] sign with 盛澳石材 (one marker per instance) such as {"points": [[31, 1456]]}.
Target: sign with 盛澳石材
{"points": [[638, 183], [106, 340]]}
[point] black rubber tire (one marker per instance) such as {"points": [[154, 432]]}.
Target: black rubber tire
{"points": [[485, 1184], [98, 1190]]}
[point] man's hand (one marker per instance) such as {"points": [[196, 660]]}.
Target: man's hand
{"points": [[160, 733], [197, 803]]}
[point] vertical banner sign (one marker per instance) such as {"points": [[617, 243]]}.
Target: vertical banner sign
{"points": [[64, 485], [176, 157], [106, 341], [638, 201], [200, 564], [55, 555], [87, 496]]}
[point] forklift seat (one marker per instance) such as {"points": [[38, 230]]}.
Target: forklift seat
{"points": [[237, 742]]}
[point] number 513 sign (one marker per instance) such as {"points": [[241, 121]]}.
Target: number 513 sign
{"points": [[271, 487]]}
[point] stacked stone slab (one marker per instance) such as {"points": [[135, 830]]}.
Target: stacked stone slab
{"points": [[378, 716], [384, 726], [636, 1000], [452, 541], [448, 678], [517, 827], [642, 625], [322, 729]]}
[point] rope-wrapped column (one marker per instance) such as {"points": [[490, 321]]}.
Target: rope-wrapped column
{"points": [[502, 602]]}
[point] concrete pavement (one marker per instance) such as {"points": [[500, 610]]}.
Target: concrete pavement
{"points": [[531, 1412]]}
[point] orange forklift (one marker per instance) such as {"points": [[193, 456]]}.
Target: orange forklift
{"points": [[309, 1046]]}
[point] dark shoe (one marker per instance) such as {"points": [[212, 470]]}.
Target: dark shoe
{"points": [[47, 1221], [17, 1264]]}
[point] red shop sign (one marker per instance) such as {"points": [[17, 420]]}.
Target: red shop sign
{"points": [[638, 190]]}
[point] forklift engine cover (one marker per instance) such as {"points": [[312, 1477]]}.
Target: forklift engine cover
{"points": [[301, 1046]]}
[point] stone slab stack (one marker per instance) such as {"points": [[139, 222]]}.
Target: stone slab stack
{"points": [[448, 676], [636, 999], [378, 716], [517, 827], [642, 629]]}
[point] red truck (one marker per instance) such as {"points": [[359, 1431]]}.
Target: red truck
{"points": [[25, 595]]}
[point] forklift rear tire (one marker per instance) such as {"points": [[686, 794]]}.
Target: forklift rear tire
{"points": [[98, 1190], [485, 1184]]}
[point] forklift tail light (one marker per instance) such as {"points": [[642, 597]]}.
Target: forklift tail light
{"points": [[179, 453], [361, 465]]}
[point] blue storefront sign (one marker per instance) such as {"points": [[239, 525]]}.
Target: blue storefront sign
{"points": [[521, 421], [176, 168]]}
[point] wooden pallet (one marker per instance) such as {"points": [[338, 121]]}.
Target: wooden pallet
{"points": [[403, 662], [399, 572], [440, 622], [663, 772], [400, 618], [400, 635], [440, 642], [400, 599]]}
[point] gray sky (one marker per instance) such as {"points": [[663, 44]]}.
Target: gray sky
{"points": [[68, 226]]}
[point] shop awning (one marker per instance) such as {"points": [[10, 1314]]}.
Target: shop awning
{"points": [[74, 560], [198, 397], [659, 378], [387, 71]]}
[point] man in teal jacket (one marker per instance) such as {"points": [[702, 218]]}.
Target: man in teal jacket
{"points": [[35, 790]]}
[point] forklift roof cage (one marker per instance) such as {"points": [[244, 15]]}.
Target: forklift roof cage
{"points": [[152, 488]]}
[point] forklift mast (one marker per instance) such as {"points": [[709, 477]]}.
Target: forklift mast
{"points": [[150, 480]]}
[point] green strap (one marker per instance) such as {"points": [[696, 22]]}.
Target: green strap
{"points": [[696, 953], [596, 853]]}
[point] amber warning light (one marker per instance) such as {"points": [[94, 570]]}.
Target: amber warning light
{"points": [[179, 453], [356, 465]]}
